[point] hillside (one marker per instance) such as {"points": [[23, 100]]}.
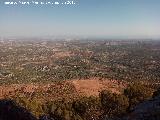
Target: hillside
{"points": [[82, 87], [79, 80]]}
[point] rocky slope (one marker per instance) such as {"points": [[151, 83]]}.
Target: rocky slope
{"points": [[148, 110]]}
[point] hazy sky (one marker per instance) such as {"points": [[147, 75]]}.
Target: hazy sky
{"points": [[101, 18]]}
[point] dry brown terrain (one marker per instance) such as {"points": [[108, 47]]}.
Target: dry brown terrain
{"points": [[83, 87], [62, 54], [93, 86]]}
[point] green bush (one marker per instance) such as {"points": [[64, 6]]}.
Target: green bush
{"points": [[34, 106], [88, 107], [61, 110], [113, 104], [137, 93]]}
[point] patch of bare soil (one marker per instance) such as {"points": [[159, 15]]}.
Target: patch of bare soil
{"points": [[62, 54], [92, 86]]}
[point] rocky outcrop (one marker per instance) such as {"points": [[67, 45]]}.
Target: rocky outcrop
{"points": [[10, 111], [148, 110]]}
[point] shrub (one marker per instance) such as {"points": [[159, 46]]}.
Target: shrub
{"points": [[34, 106], [88, 107], [61, 110], [137, 93], [113, 104]]}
